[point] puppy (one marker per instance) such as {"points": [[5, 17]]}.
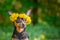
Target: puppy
{"points": [[20, 30]]}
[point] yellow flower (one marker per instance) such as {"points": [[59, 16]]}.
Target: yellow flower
{"points": [[22, 16], [43, 36], [28, 20], [13, 17]]}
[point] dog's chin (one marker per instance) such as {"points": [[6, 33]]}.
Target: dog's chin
{"points": [[21, 30]]}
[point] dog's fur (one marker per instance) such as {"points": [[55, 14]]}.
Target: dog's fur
{"points": [[20, 30]]}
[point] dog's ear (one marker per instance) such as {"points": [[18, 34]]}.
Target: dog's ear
{"points": [[29, 11], [9, 12]]}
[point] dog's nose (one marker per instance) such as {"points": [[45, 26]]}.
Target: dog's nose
{"points": [[23, 25]]}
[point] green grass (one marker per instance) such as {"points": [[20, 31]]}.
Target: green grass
{"points": [[34, 32]]}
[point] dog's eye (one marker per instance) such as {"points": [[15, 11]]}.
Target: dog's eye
{"points": [[23, 19]]}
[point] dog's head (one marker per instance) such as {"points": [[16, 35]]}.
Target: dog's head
{"points": [[20, 23]]}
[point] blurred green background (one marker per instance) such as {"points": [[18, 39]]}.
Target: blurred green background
{"points": [[45, 17]]}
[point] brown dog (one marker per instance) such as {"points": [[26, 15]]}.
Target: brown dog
{"points": [[20, 28]]}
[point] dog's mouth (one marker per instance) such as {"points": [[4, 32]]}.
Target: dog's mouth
{"points": [[21, 25]]}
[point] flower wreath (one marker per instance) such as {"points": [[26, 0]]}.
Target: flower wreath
{"points": [[14, 16]]}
